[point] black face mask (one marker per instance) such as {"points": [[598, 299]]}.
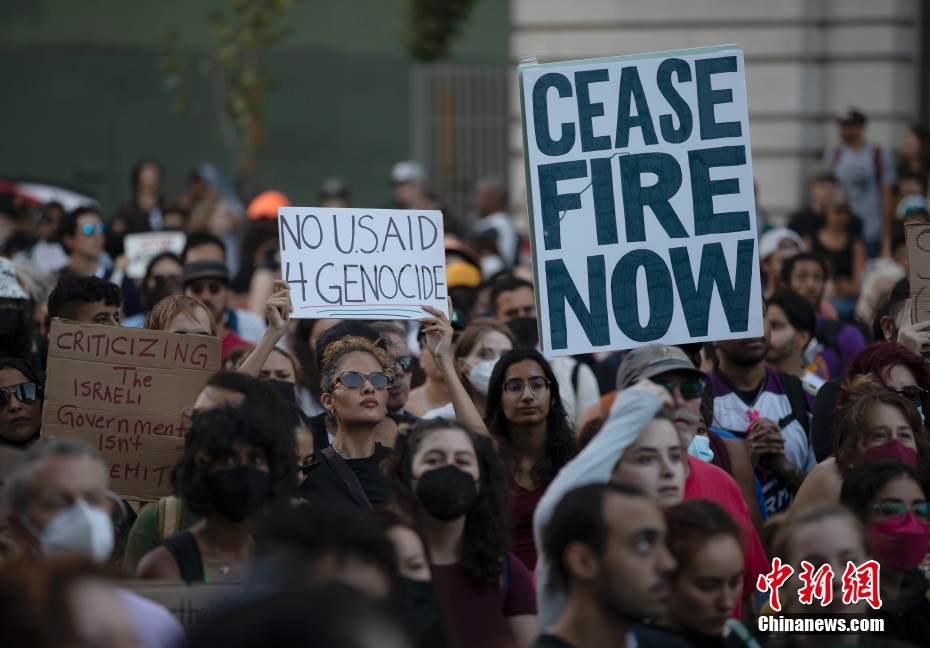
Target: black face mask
{"points": [[10, 321], [419, 598], [287, 389], [447, 493], [239, 493]]}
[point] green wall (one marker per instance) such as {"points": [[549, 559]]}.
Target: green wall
{"points": [[85, 97]]}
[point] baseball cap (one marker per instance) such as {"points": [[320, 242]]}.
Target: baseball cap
{"points": [[771, 241], [205, 269], [911, 205], [408, 171], [334, 188], [852, 116], [651, 360], [265, 205], [462, 274]]}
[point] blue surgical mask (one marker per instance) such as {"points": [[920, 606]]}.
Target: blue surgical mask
{"points": [[700, 448]]}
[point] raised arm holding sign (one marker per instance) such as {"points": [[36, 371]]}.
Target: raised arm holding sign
{"points": [[362, 263]]}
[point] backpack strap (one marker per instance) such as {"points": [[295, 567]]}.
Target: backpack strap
{"points": [[575, 377], [169, 514], [341, 467], [743, 633], [794, 390], [877, 163]]}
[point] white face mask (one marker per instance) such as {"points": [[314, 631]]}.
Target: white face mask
{"points": [[700, 448], [480, 375], [81, 530]]}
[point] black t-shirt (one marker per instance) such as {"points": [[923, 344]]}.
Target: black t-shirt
{"points": [[323, 484], [645, 638]]}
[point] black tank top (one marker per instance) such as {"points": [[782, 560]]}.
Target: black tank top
{"points": [[186, 553]]}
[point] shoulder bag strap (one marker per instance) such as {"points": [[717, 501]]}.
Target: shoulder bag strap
{"points": [[349, 478]]}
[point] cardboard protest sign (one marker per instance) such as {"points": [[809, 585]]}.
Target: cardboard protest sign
{"points": [[123, 390], [189, 604], [918, 270], [362, 263], [142, 248], [640, 194]]}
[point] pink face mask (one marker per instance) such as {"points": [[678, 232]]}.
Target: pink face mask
{"points": [[893, 449], [901, 543]]}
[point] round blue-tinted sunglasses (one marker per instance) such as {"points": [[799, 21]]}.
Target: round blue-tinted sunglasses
{"points": [[90, 228]]}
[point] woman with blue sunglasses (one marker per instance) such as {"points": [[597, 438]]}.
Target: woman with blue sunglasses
{"points": [[20, 403]]}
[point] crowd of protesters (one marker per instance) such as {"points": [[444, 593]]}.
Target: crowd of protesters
{"points": [[441, 482]]}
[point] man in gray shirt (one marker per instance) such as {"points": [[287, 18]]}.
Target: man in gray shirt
{"points": [[866, 174]]}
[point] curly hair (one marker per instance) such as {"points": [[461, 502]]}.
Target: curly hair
{"points": [[878, 359], [213, 434], [341, 348], [487, 524], [162, 314], [691, 524], [561, 443], [863, 394], [72, 291]]}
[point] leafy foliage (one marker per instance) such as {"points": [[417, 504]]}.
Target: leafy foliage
{"points": [[240, 82], [432, 25]]}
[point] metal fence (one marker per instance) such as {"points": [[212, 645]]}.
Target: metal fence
{"points": [[459, 124]]}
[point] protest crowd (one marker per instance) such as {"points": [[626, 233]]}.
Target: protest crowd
{"points": [[440, 482]]}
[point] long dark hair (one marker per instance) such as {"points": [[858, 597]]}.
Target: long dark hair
{"points": [[561, 444], [309, 369], [487, 534]]}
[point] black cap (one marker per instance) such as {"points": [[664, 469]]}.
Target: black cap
{"points": [[852, 117], [205, 269]]}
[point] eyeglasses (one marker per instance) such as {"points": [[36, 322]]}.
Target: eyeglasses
{"points": [[198, 287], [26, 393], [354, 380], [90, 228], [690, 389], [913, 393], [900, 509], [516, 387], [408, 363]]}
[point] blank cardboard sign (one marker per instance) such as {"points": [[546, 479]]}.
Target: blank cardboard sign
{"points": [[123, 390], [918, 263]]}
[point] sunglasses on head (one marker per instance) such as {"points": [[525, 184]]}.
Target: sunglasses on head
{"points": [[90, 228], [407, 363], [354, 380], [690, 389], [896, 509], [213, 287], [26, 393]]}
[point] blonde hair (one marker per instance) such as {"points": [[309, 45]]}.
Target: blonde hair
{"points": [[170, 307]]}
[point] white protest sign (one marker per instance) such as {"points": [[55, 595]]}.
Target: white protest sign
{"points": [[142, 248], [640, 193], [362, 263]]}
